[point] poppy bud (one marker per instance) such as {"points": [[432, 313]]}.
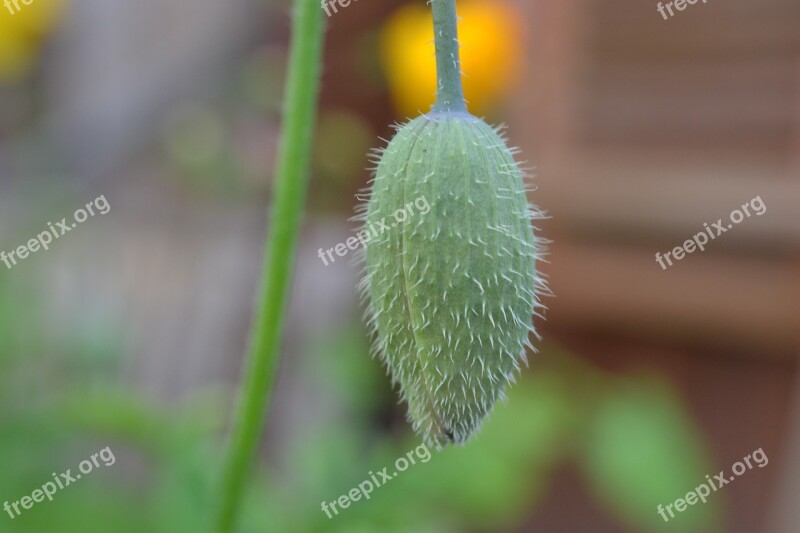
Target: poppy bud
{"points": [[451, 292]]}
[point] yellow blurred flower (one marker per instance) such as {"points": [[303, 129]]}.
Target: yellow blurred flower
{"points": [[491, 46], [21, 34]]}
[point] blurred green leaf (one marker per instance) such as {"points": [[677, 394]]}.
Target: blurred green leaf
{"points": [[643, 450]]}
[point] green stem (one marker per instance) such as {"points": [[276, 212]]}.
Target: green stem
{"points": [[291, 185], [450, 93]]}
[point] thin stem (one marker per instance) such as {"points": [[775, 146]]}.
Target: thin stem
{"points": [[450, 93], [291, 185]]}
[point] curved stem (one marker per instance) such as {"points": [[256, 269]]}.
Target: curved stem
{"points": [[450, 92], [291, 185]]}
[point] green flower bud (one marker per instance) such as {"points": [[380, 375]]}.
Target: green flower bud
{"points": [[451, 292]]}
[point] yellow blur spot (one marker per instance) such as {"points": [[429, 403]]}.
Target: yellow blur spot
{"points": [[491, 39], [22, 29]]}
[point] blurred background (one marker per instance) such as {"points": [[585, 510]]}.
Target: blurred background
{"points": [[129, 332]]}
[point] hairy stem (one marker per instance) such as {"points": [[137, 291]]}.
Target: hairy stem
{"points": [[291, 185], [450, 93]]}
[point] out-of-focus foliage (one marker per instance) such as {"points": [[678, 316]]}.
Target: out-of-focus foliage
{"points": [[637, 445], [625, 435], [491, 49], [641, 451], [342, 139], [222, 146], [59, 405]]}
